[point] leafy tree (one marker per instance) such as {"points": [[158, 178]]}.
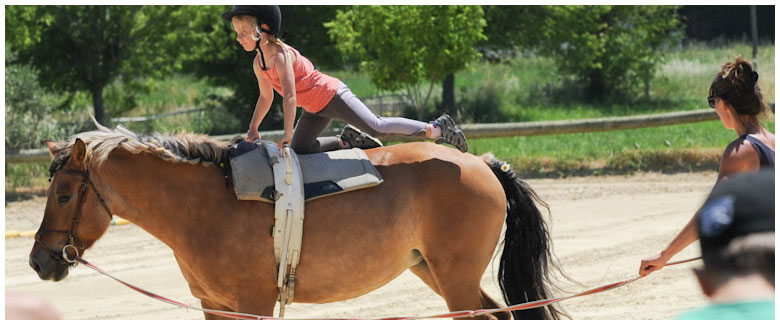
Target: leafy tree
{"points": [[87, 47], [511, 27], [29, 108], [402, 46], [303, 28], [607, 47]]}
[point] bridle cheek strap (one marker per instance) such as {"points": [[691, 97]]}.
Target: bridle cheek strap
{"points": [[86, 183]]}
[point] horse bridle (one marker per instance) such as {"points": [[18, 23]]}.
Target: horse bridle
{"points": [[73, 239]]}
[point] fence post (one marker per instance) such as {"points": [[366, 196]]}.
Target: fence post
{"points": [[381, 107], [200, 120], [754, 34]]}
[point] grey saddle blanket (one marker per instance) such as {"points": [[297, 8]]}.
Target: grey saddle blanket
{"points": [[324, 174]]}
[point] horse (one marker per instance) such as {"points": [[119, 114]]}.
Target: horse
{"points": [[438, 213]]}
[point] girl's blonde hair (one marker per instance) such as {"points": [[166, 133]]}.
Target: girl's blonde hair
{"points": [[252, 22]]}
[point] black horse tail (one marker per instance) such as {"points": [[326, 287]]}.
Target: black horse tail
{"points": [[523, 272]]}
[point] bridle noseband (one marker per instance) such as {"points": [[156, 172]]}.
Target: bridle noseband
{"points": [[73, 239]]}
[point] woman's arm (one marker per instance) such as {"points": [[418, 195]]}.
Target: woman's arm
{"points": [[686, 236], [283, 65], [739, 157]]}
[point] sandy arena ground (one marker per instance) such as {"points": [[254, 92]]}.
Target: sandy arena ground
{"points": [[601, 227]]}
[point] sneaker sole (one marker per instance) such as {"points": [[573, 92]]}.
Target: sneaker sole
{"points": [[354, 135]]}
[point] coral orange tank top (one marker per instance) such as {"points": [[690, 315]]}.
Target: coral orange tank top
{"points": [[313, 89]]}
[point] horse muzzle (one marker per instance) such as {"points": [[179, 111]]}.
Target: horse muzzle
{"points": [[48, 265]]}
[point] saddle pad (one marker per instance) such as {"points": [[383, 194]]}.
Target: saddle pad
{"points": [[324, 174]]}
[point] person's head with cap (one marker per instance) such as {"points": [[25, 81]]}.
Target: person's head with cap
{"points": [[736, 228]]}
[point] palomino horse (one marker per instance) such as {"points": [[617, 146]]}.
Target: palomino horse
{"points": [[439, 213]]}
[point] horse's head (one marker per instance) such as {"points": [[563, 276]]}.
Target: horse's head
{"points": [[75, 215]]}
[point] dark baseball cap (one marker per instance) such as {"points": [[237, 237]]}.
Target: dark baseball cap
{"points": [[739, 206]]}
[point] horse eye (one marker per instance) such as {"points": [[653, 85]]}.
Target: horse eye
{"points": [[64, 199]]}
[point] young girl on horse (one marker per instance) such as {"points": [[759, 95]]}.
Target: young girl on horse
{"points": [[280, 67], [736, 97]]}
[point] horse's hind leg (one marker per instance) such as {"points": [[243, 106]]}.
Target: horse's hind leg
{"points": [[423, 271], [489, 303]]}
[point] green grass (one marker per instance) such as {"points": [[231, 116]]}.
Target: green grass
{"points": [[687, 74], [613, 151], [176, 92], [359, 83], [528, 91], [25, 180]]}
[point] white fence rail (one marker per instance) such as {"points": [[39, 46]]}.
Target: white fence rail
{"points": [[491, 130], [157, 116]]}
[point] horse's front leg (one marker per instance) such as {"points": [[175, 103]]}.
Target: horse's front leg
{"points": [[262, 305], [213, 306], [246, 305]]}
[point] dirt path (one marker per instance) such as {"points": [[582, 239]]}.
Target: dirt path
{"points": [[602, 227]]}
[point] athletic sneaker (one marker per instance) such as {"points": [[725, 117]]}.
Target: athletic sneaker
{"points": [[359, 139], [450, 133]]}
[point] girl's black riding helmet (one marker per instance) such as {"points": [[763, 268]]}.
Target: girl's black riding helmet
{"points": [[269, 15]]}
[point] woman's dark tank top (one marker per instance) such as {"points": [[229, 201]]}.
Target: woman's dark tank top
{"points": [[766, 155]]}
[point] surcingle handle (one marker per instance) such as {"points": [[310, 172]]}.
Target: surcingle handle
{"points": [[287, 159]]}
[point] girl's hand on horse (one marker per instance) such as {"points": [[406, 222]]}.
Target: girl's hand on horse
{"points": [[285, 139], [252, 135]]}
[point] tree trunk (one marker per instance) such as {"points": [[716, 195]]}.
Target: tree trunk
{"points": [[425, 103], [97, 103], [754, 35], [596, 85], [448, 94]]}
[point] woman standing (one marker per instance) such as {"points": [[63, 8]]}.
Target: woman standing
{"points": [[736, 97]]}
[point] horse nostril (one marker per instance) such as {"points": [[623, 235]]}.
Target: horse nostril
{"points": [[35, 265]]}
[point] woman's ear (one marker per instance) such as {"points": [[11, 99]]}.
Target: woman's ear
{"points": [[728, 113]]}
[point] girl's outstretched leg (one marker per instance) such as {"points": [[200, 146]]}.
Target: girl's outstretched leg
{"points": [[347, 107]]}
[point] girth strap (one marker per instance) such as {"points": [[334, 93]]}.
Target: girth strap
{"points": [[288, 225]]}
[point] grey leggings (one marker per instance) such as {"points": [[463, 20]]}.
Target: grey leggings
{"points": [[346, 107]]}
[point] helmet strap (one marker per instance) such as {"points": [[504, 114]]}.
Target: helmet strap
{"points": [[262, 57], [266, 31]]}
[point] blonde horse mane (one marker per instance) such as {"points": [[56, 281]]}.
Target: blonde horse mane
{"points": [[179, 148]]}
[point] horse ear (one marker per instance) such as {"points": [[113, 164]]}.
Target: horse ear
{"points": [[78, 154], [54, 147]]}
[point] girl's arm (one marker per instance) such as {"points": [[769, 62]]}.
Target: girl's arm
{"points": [[283, 64], [263, 103]]}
